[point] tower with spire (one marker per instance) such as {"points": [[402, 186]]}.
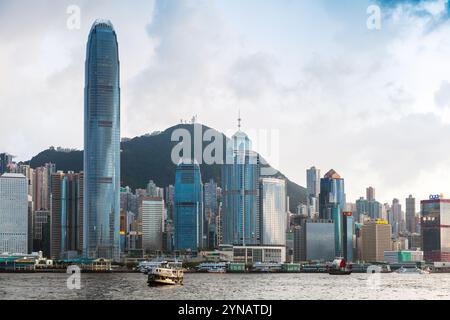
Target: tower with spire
{"points": [[240, 176]]}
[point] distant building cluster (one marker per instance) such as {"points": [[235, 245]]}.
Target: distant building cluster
{"points": [[88, 214]]}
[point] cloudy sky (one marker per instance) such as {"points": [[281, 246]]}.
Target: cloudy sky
{"points": [[372, 104]]}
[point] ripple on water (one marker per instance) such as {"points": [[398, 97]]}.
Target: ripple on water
{"points": [[227, 287]]}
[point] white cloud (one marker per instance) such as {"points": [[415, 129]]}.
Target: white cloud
{"points": [[370, 104]]}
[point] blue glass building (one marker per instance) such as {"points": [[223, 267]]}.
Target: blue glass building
{"points": [[240, 180], [332, 204], [189, 220], [102, 144]]}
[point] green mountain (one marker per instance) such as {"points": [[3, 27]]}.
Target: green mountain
{"points": [[149, 158]]}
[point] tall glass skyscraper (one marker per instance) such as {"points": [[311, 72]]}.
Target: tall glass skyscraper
{"points": [[332, 204], [189, 218], [102, 144], [240, 179], [273, 212]]}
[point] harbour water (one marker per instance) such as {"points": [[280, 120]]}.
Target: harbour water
{"points": [[132, 286]]}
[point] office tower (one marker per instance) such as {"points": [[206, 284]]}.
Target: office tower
{"points": [[211, 196], [373, 209], [30, 222], [128, 200], [370, 194], [102, 144], [66, 215], [347, 236], [314, 241], [5, 161], [13, 213], [313, 191], [211, 205], [240, 180], [152, 213], [435, 219], [411, 214], [42, 232], [332, 203], [396, 217], [273, 212], [313, 182], [376, 239], [362, 208], [169, 192], [153, 191], [188, 214]]}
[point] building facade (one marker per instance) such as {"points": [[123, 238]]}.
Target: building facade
{"points": [[435, 225], [189, 221], [5, 162], [332, 204], [411, 214], [273, 212], [152, 213], [66, 215], [102, 144], [13, 213], [240, 182], [347, 236], [376, 239]]}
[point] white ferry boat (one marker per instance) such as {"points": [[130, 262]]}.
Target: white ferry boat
{"points": [[165, 275]]}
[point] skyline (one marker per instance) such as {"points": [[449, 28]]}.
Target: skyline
{"points": [[385, 134]]}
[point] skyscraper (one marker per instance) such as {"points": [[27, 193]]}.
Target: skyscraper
{"points": [[396, 218], [313, 191], [347, 236], [240, 180], [313, 182], [189, 220], [411, 214], [5, 161], [332, 204], [370, 194], [273, 212], [435, 222], [66, 215], [102, 144], [13, 213], [152, 213], [153, 191]]}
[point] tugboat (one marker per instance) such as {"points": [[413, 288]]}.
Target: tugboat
{"points": [[165, 275], [340, 267]]}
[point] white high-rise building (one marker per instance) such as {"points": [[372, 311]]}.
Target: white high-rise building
{"points": [[13, 213], [152, 213], [273, 212]]}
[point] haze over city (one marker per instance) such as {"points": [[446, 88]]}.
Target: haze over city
{"points": [[372, 104]]}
